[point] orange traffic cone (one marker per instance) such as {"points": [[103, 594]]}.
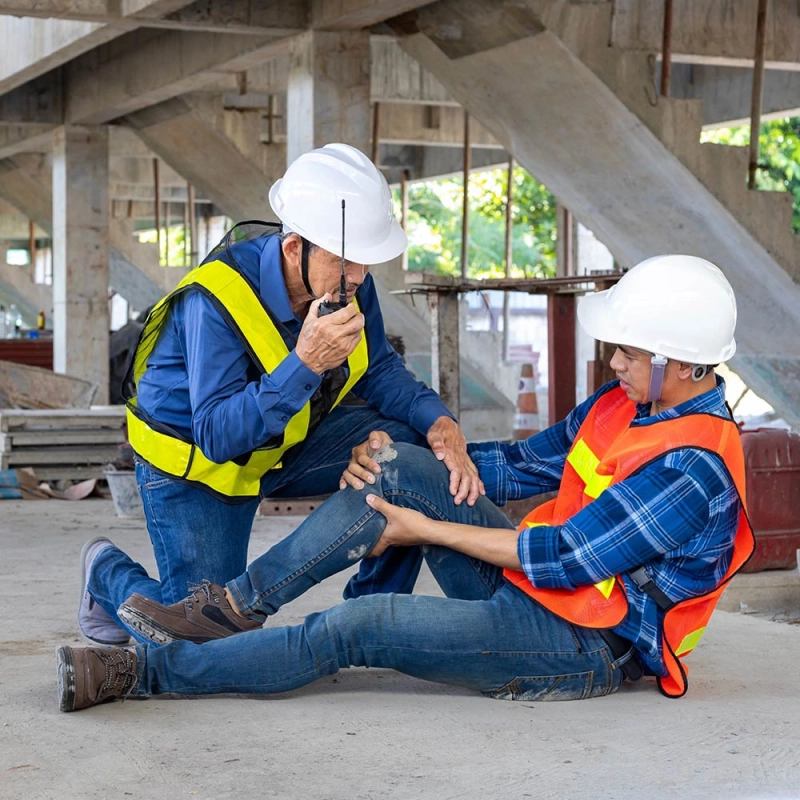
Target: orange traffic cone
{"points": [[526, 420]]}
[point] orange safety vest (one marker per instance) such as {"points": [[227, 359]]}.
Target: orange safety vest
{"points": [[606, 451]]}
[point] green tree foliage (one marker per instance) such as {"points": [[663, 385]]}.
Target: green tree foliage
{"points": [[779, 145], [435, 226]]}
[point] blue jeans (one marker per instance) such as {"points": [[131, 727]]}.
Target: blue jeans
{"points": [[196, 536], [484, 635]]}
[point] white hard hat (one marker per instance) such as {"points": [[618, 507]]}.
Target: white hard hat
{"points": [[681, 307], [308, 201]]}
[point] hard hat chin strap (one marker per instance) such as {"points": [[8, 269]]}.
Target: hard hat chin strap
{"points": [[659, 365], [304, 265]]}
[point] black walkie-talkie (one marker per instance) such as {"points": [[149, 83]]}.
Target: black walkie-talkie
{"points": [[329, 306]]}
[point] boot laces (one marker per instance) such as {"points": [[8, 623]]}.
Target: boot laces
{"points": [[203, 589], [120, 672]]}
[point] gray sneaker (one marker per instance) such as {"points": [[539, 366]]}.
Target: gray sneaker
{"points": [[93, 622]]}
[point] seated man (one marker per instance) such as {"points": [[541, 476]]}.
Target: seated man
{"points": [[616, 576]]}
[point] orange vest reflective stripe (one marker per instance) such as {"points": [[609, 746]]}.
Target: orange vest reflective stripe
{"points": [[607, 450]]}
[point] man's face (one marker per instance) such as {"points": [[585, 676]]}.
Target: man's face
{"points": [[324, 274], [632, 367]]}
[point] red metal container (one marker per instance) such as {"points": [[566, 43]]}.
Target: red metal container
{"points": [[772, 470]]}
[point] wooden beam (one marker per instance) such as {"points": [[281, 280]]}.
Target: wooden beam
{"points": [[445, 353]]}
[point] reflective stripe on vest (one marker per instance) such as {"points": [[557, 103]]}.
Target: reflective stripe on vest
{"points": [[606, 451], [242, 309]]}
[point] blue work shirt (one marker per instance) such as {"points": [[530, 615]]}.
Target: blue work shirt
{"points": [[201, 382], [677, 516]]}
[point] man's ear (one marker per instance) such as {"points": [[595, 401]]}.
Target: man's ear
{"points": [[292, 247], [684, 371]]}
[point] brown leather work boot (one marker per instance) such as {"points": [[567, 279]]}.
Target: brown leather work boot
{"points": [[88, 676], [203, 616]]}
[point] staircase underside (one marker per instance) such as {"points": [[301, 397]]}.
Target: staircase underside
{"points": [[568, 128]]}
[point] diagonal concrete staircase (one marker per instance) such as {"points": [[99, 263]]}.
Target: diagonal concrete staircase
{"points": [[583, 117]]}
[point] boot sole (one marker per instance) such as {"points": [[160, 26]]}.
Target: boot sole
{"points": [[153, 631], [66, 679]]}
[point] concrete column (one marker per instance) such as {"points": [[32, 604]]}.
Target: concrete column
{"points": [[328, 92], [80, 254]]}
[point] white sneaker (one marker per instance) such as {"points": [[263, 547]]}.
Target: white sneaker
{"points": [[93, 622]]}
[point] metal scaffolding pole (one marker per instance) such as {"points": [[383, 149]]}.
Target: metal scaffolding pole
{"points": [[758, 92], [192, 224], [157, 201], [404, 176], [509, 260], [465, 204], [666, 50], [376, 132]]}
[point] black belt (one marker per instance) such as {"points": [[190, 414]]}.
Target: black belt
{"points": [[620, 647]]}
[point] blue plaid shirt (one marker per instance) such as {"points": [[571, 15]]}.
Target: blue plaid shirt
{"points": [[677, 516]]}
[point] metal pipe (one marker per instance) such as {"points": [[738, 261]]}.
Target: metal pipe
{"points": [[465, 203], [186, 244], [32, 248], [192, 224], [509, 216], [666, 50], [376, 132], [758, 92], [167, 223], [157, 194], [566, 233], [404, 176], [509, 260]]}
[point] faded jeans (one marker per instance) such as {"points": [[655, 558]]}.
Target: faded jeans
{"points": [[196, 536], [484, 635]]}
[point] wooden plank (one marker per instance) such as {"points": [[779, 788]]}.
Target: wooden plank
{"points": [[87, 436]]}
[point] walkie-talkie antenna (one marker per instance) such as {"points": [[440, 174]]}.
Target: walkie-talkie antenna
{"points": [[343, 281]]}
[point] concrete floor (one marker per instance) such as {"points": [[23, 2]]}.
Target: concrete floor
{"points": [[373, 734]]}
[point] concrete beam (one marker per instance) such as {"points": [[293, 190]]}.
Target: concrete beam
{"points": [[440, 126], [39, 102], [328, 92], [726, 93], [395, 77], [187, 139], [16, 139], [157, 66], [232, 16], [432, 163], [25, 183], [357, 14], [720, 32], [32, 47]]}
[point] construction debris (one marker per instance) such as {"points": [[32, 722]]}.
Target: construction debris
{"points": [[22, 386], [62, 444]]}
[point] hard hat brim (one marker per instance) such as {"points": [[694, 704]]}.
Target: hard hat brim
{"points": [[594, 318]]}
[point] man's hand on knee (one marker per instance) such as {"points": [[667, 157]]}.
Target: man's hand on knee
{"points": [[448, 444], [362, 468]]}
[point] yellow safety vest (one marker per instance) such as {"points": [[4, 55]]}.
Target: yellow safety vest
{"points": [[170, 453]]}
